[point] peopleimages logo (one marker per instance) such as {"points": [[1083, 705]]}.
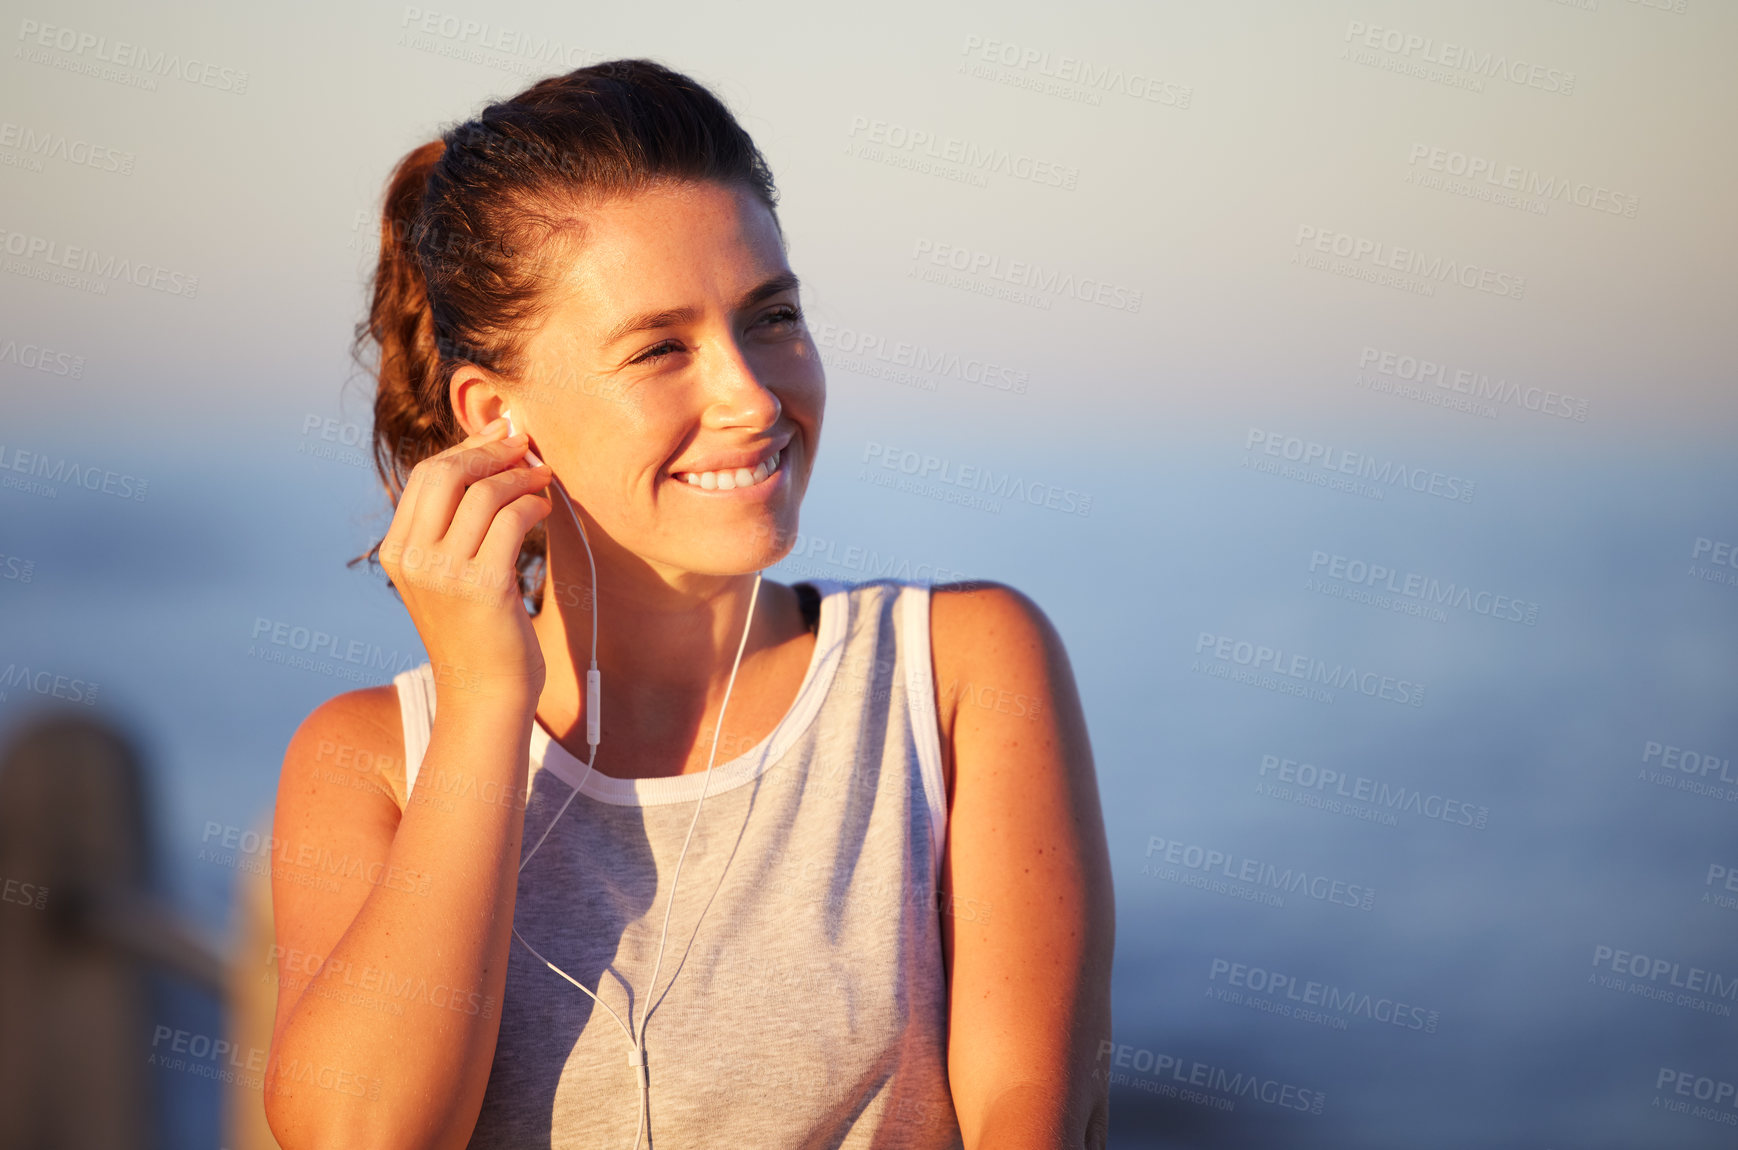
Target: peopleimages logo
{"points": [[1472, 384], [1355, 1004], [86, 51], [1308, 668], [1680, 769], [1171, 1072], [512, 45], [855, 557], [942, 470], [1217, 867], [1075, 72], [73, 690], [77, 260], [1690, 762], [36, 357], [1024, 274], [309, 648], [1690, 983], [858, 348], [1309, 453], [1720, 874], [1326, 781], [57, 470], [17, 568], [1423, 588], [970, 155], [1410, 261], [1417, 49], [1720, 1095], [1523, 181], [1718, 552], [39, 145]]}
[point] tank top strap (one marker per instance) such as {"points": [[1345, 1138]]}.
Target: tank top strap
{"points": [[915, 651], [416, 712], [889, 636]]}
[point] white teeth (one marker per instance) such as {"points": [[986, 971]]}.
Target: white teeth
{"points": [[730, 480]]}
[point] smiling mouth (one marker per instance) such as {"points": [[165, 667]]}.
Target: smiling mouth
{"points": [[731, 479]]}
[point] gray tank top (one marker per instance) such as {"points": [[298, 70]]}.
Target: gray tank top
{"points": [[801, 1000]]}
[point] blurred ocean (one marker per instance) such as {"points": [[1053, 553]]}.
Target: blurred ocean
{"points": [[1461, 958]]}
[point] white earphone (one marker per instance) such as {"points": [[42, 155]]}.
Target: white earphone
{"points": [[593, 701]]}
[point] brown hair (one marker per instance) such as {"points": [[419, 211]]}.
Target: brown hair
{"points": [[474, 223]]}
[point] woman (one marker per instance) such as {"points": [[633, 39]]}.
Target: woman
{"points": [[894, 924]]}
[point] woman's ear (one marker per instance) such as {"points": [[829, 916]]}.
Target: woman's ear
{"points": [[477, 398]]}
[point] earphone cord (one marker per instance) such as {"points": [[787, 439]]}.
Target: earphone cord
{"points": [[637, 1056]]}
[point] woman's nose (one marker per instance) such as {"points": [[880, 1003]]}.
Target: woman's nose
{"points": [[735, 393]]}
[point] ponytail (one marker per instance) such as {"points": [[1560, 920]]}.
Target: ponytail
{"points": [[412, 418]]}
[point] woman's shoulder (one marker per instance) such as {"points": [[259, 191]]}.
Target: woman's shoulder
{"points": [[354, 740], [992, 646], [972, 618]]}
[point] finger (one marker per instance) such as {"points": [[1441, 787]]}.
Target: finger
{"points": [[451, 474], [501, 546], [397, 536], [483, 500], [404, 514]]}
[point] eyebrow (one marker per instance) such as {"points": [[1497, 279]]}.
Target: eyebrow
{"points": [[670, 317]]}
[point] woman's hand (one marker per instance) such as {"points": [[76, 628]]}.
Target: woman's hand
{"points": [[452, 552]]}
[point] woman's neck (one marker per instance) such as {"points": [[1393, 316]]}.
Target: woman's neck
{"points": [[665, 657]]}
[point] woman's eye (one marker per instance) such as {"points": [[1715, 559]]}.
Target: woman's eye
{"points": [[656, 352], [788, 314]]}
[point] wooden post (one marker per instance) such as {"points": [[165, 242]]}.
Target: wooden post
{"points": [[73, 1028], [77, 923]]}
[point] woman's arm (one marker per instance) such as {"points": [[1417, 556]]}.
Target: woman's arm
{"points": [[392, 932], [392, 929], [1026, 875]]}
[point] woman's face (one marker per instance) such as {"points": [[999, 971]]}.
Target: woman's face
{"points": [[673, 363]]}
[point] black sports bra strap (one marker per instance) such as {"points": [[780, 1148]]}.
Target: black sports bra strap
{"points": [[809, 600]]}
